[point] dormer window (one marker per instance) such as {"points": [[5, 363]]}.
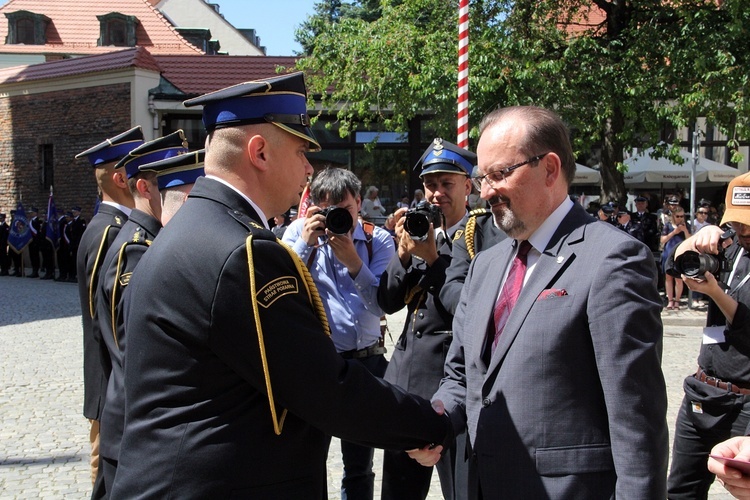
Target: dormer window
{"points": [[27, 28], [117, 29]]}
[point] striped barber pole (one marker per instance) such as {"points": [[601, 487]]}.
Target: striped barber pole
{"points": [[463, 74]]}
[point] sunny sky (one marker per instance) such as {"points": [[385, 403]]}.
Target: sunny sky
{"points": [[273, 20]]}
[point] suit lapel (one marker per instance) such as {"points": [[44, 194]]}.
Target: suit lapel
{"points": [[552, 263]]}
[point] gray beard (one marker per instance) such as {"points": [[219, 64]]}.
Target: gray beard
{"points": [[509, 223]]}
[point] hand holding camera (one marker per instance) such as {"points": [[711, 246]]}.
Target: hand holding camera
{"points": [[414, 234]]}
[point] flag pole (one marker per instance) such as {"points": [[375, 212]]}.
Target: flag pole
{"points": [[463, 74]]}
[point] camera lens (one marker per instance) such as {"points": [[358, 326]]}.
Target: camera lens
{"points": [[417, 224], [695, 265], [338, 220]]}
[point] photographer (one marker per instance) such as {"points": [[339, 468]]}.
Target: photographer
{"points": [[346, 258], [717, 397], [414, 278]]}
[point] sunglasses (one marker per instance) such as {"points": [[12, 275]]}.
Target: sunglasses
{"points": [[701, 212]]}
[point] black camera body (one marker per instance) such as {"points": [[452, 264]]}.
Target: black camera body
{"points": [[417, 220], [695, 265], [338, 220]]}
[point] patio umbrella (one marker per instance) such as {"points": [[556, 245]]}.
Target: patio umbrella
{"points": [[644, 170], [586, 175]]}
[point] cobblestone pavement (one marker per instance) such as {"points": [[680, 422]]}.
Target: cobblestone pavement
{"points": [[44, 438]]}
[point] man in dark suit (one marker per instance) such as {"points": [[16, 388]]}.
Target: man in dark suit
{"points": [[562, 390], [37, 238], [132, 241], [647, 220], [232, 384], [413, 279], [117, 202]]}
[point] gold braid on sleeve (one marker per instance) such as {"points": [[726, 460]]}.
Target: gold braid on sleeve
{"points": [[471, 225], [317, 303], [95, 271]]}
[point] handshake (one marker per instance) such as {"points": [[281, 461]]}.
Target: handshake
{"points": [[430, 454]]}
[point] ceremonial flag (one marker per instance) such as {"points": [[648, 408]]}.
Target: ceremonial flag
{"points": [[53, 226], [20, 230]]}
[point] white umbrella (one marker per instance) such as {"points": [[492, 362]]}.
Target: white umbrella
{"points": [[586, 175], [644, 169]]}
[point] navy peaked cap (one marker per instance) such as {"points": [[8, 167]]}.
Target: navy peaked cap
{"points": [[444, 156], [280, 100], [177, 170], [164, 147], [114, 149]]}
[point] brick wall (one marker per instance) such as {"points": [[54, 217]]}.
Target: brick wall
{"points": [[72, 121]]}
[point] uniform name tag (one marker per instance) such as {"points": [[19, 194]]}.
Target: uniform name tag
{"points": [[276, 289]]}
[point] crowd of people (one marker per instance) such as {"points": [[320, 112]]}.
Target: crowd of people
{"points": [[220, 362], [48, 259]]}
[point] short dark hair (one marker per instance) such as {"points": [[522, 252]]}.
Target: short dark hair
{"points": [[333, 184], [545, 131]]}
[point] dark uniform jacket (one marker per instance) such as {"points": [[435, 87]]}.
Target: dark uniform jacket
{"points": [[94, 243], [126, 251], [649, 228], [476, 233], [232, 386], [417, 361]]}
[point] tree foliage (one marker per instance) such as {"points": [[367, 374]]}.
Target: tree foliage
{"points": [[619, 72]]}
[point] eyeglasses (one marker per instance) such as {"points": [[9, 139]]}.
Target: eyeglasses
{"points": [[497, 176]]}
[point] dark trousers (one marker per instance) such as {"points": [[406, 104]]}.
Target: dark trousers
{"points": [[708, 415], [4, 258], [359, 479], [15, 257]]}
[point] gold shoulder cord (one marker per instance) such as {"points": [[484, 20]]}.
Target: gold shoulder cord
{"points": [[115, 286], [469, 236], [95, 270], [317, 303]]}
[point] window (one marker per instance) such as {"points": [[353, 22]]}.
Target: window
{"points": [[117, 30], [27, 28], [46, 172]]}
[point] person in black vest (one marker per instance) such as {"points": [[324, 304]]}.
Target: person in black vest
{"points": [[413, 279], [233, 385], [117, 202], [4, 259]]}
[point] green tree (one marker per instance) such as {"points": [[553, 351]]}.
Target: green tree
{"points": [[618, 71]]}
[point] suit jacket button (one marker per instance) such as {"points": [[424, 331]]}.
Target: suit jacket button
{"points": [[486, 402], [418, 335], [421, 315]]}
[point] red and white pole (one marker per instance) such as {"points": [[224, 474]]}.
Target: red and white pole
{"points": [[463, 74]]}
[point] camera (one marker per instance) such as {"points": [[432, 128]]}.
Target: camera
{"points": [[338, 220], [695, 265], [417, 220]]}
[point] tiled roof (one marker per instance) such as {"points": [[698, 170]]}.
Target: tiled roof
{"points": [[198, 75], [74, 28], [137, 57]]}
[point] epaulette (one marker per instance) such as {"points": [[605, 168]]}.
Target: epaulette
{"points": [[140, 237], [480, 212], [251, 225]]}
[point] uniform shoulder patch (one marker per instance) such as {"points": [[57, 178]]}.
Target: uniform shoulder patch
{"points": [[118, 220], [251, 225], [458, 235], [276, 289], [140, 237], [478, 212]]}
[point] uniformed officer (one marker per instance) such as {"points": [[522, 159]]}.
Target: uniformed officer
{"points": [[232, 384], [117, 202], [413, 279], [476, 233], [37, 238], [121, 260], [4, 260]]}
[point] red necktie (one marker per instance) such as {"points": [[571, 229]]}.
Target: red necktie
{"points": [[511, 290]]}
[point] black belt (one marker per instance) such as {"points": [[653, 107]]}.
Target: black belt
{"points": [[727, 386], [373, 350]]}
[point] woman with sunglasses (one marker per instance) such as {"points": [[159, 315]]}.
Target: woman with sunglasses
{"points": [[674, 232]]}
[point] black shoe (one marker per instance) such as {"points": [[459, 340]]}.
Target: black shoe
{"points": [[47, 277], [33, 275], [4, 273], [72, 279], [17, 274]]}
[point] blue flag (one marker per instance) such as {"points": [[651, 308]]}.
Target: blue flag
{"points": [[53, 226], [20, 230]]}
